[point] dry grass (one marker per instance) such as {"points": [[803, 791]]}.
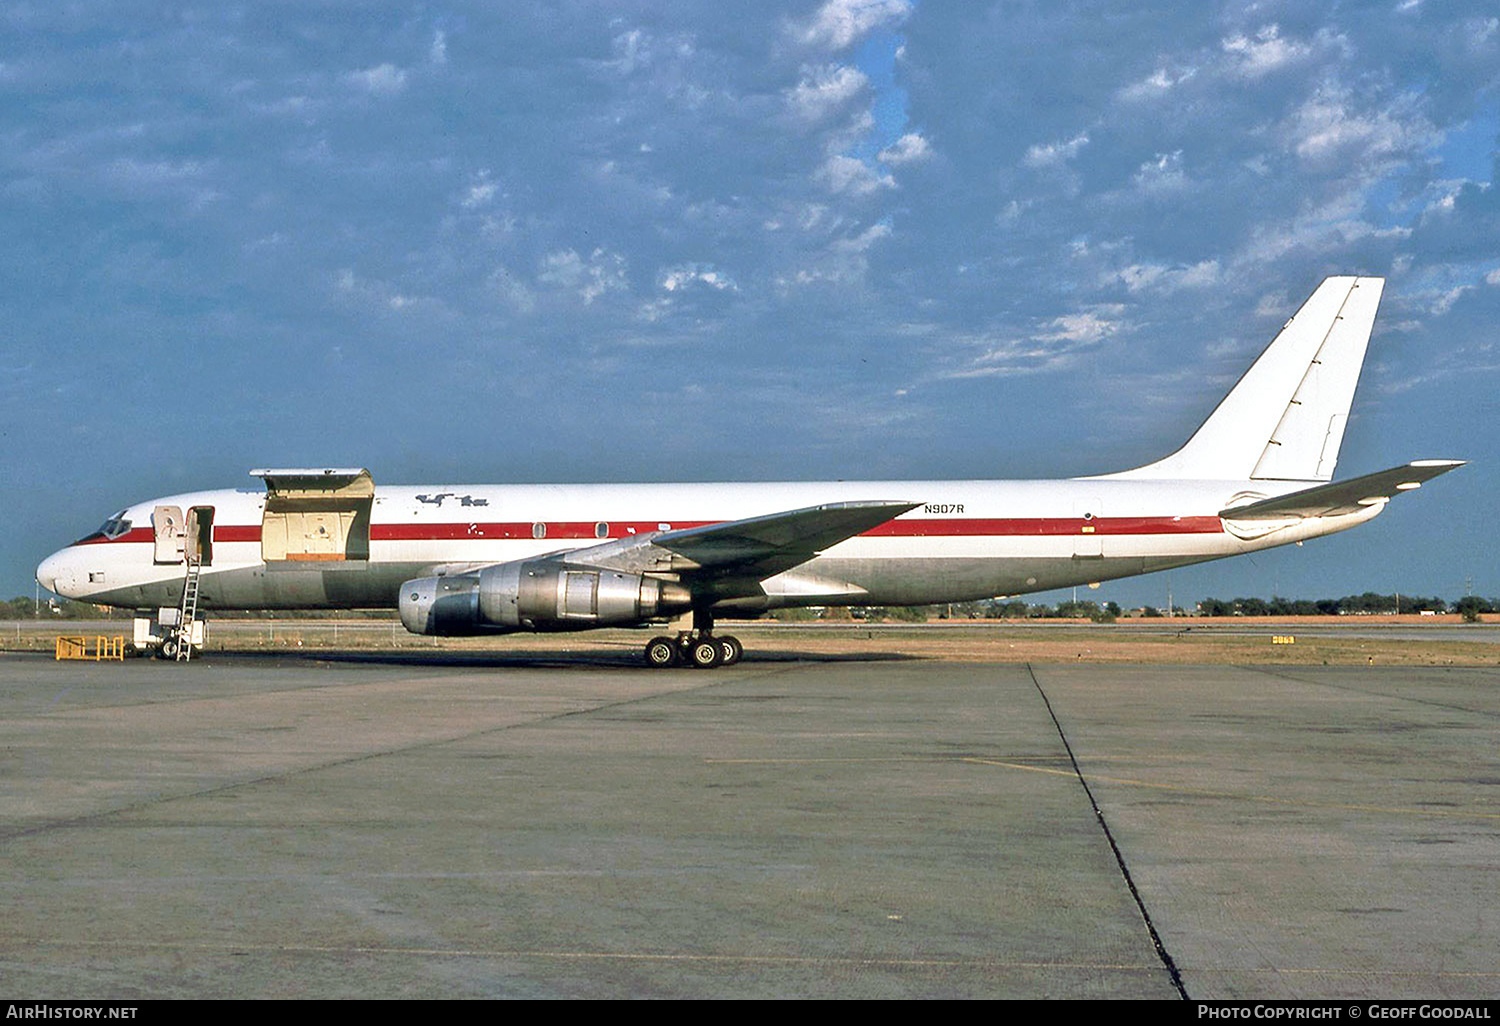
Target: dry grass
{"points": [[1106, 644]]}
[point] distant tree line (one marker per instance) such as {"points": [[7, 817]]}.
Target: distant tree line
{"points": [[1350, 605], [1015, 609], [24, 607]]}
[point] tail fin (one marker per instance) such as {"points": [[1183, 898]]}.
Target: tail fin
{"points": [[1284, 420]]}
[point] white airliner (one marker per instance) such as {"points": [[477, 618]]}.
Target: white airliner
{"points": [[480, 559]]}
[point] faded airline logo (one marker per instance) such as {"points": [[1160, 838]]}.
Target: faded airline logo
{"points": [[436, 499]]}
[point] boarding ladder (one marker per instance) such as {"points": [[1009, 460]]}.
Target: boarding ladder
{"points": [[188, 610]]}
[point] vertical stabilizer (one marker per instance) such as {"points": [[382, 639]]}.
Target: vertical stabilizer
{"points": [[1285, 418]]}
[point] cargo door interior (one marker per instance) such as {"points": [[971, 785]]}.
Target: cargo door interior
{"points": [[316, 515], [200, 535]]}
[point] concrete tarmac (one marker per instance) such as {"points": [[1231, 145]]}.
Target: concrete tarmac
{"points": [[410, 826]]}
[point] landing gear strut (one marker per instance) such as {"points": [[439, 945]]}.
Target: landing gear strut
{"points": [[700, 647]]}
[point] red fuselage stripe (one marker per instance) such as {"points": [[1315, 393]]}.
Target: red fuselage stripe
{"points": [[1035, 526], [136, 534], [1015, 527]]}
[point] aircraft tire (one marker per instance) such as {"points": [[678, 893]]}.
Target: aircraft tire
{"points": [[733, 650], [705, 653], [662, 653]]}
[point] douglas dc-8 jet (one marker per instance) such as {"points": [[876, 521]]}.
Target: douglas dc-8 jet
{"points": [[485, 559]]}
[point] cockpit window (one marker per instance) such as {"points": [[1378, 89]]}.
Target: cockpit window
{"points": [[114, 526]]}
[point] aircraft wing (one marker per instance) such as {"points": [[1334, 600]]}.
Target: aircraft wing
{"points": [[770, 544], [1341, 497], [758, 547]]}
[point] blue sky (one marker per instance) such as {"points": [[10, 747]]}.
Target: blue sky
{"points": [[628, 241]]}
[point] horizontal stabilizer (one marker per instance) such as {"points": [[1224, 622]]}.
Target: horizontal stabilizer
{"points": [[1343, 497]]}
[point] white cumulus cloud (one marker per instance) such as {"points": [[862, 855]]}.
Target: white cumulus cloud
{"points": [[382, 80], [1264, 53], [823, 91], [911, 148], [1164, 278], [1083, 327], [856, 178], [1054, 154], [590, 277], [1158, 83], [1164, 174], [1328, 126], [675, 279], [838, 23], [480, 192]]}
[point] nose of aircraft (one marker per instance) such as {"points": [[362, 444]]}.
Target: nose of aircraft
{"points": [[52, 572]]}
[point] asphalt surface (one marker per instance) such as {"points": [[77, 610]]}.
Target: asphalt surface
{"points": [[274, 826]]}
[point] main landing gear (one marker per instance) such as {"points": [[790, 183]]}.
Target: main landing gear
{"points": [[700, 647]]}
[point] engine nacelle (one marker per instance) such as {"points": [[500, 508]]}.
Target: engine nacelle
{"points": [[536, 595]]}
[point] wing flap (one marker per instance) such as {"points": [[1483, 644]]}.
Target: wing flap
{"points": [[1343, 497]]}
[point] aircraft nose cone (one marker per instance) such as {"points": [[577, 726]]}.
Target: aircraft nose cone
{"points": [[46, 573], [51, 569]]}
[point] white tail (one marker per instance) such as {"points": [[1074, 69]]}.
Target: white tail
{"points": [[1284, 420]]}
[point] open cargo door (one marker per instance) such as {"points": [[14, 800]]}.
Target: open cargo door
{"points": [[170, 533], [316, 515]]}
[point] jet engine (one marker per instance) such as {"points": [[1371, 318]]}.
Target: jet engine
{"points": [[536, 595]]}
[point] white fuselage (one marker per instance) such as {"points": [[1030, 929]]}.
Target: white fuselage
{"points": [[329, 538], [968, 539]]}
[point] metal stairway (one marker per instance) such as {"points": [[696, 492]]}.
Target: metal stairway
{"points": [[188, 610]]}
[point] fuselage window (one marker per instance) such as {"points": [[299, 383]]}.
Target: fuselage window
{"points": [[539, 530], [601, 530]]}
